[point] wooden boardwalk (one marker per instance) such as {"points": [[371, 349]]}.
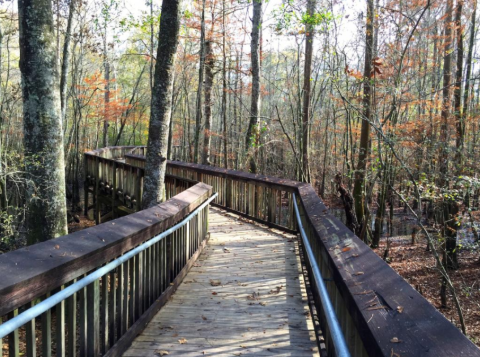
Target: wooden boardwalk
{"points": [[244, 296]]}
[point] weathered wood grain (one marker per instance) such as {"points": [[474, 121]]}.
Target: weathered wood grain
{"points": [[228, 294]]}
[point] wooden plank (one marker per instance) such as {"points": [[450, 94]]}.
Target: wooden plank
{"points": [[227, 311], [13, 346], [60, 328], [30, 341], [93, 318], [46, 323], [72, 324]]}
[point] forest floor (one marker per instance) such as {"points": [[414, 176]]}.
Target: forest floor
{"points": [[417, 266]]}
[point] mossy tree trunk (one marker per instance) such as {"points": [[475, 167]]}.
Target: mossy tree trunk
{"points": [[42, 124], [156, 165]]}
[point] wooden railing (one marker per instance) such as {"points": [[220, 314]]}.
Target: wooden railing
{"points": [[114, 179], [105, 316], [380, 313]]}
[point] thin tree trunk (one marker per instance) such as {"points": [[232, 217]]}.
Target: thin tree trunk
{"points": [[42, 123], [198, 115], [224, 92], [209, 74], [66, 60], [309, 35], [359, 187], [253, 130], [457, 94], [156, 160]]}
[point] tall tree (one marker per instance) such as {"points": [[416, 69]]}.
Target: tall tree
{"points": [[307, 73], [42, 122], [209, 74], [457, 94], [198, 114], [449, 206], [156, 158], [253, 130], [359, 188]]}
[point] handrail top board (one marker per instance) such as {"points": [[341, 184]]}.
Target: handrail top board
{"points": [[30, 272]]}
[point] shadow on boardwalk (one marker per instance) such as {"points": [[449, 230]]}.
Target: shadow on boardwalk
{"points": [[244, 296]]}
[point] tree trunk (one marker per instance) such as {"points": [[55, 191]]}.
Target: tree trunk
{"points": [[209, 74], [449, 207], [468, 68], [66, 60], [457, 94], [42, 123], [309, 35], [253, 130], [359, 187], [156, 161], [198, 115], [224, 91]]}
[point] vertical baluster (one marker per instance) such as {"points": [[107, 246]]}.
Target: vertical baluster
{"points": [[93, 319], [125, 296], [169, 260], [46, 321], [72, 324], [104, 314], [112, 306], [120, 301], [132, 289], [280, 208], [187, 242], [83, 321], [60, 327], [97, 193], [145, 280], [30, 342], [139, 285], [114, 189], [13, 347]]}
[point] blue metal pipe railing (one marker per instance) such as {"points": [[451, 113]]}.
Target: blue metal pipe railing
{"points": [[339, 342], [35, 311]]}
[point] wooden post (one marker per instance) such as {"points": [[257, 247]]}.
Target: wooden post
{"points": [[96, 194], [72, 324], [114, 190], [46, 332], [85, 184], [112, 305], [60, 329], [30, 342], [13, 348], [93, 318]]}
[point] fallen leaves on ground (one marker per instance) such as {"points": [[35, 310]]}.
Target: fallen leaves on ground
{"points": [[182, 341], [161, 352], [215, 282]]}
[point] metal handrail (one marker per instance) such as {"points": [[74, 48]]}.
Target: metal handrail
{"points": [[35, 311], [341, 349]]}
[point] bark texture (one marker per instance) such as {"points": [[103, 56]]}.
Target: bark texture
{"points": [[209, 74], [42, 125], [309, 35], [156, 165], [253, 132], [359, 187]]}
